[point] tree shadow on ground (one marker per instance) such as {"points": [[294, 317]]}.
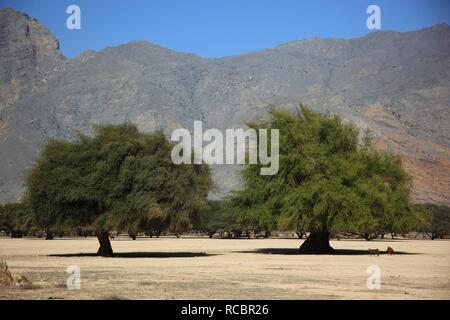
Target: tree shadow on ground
{"points": [[337, 252], [139, 255]]}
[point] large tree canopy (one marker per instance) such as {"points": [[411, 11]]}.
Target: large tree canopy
{"points": [[119, 179], [328, 181]]}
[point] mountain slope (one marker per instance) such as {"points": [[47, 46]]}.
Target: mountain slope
{"points": [[397, 84], [28, 52]]}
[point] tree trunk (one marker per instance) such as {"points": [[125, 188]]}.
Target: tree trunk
{"points": [[48, 235], [317, 242], [105, 249]]}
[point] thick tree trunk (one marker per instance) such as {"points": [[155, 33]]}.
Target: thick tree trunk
{"points": [[318, 242], [105, 249]]}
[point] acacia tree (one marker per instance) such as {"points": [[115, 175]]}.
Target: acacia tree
{"points": [[327, 180], [254, 220], [118, 179], [15, 219], [209, 221], [216, 216], [438, 220]]}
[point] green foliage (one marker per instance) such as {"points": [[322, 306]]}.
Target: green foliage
{"points": [[437, 219], [119, 179], [216, 216], [328, 180], [15, 218]]}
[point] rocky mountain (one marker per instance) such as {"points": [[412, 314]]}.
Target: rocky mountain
{"points": [[397, 84], [28, 52]]}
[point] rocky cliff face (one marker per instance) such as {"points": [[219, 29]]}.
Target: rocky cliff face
{"points": [[397, 84], [28, 53]]}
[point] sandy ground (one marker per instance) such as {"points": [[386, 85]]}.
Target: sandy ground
{"points": [[170, 268]]}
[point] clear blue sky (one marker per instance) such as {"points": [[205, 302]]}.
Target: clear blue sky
{"points": [[213, 28]]}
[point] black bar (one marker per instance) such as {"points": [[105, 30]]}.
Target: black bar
{"points": [[226, 309]]}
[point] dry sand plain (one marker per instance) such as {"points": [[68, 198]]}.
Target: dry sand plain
{"points": [[171, 268]]}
